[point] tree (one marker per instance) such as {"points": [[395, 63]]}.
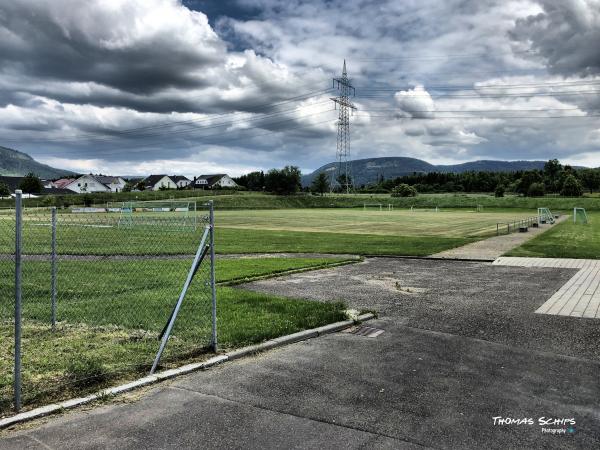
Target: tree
{"points": [[140, 186], [283, 182], [404, 190], [253, 181], [552, 173], [499, 191], [571, 187], [321, 183], [536, 190], [4, 190], [590, 178], [31, 184], [344, 181]]}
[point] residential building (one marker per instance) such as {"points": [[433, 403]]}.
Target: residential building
{"points": [[181, 181], [214, 182], [156, 182], [115, 184], [86, 184]]}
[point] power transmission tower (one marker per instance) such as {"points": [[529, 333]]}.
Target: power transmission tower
{"points": [[344, 172]]}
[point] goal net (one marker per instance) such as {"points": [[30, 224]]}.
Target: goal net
{"points": [[545, 216], [579, 215], [175, 214]]}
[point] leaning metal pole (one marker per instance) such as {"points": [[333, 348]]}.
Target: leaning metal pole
{"points": [[213, 286], [18, 273], [344, 170], [197, 260]]}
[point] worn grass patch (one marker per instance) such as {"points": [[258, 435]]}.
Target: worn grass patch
{"points": [[565, 240]]}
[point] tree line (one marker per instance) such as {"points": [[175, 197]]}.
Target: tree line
{"points": [[554, 178]]}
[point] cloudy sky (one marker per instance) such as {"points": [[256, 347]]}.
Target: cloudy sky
{"points": [[199, 86]]}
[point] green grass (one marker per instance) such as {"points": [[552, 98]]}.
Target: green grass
{"points": [[399, 232], [231, 240], [110, 314], [249, 200], [565, 240]]}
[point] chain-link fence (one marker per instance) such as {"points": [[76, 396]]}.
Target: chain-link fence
{"points": [[95, 289]]}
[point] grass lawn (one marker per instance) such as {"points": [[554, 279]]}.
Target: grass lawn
{"points": [[565, 240], [399, 232], [110, 314]]}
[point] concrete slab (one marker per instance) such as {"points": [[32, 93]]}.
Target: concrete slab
{"points": [[578, 297], [461, 346]]}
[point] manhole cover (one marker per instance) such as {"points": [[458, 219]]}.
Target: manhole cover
{"points": [[365, 331]]}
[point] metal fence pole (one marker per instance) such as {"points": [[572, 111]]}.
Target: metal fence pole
{"points": [[212, 276], [18, 269], [53, 263]]}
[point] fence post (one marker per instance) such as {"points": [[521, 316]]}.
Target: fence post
{"points": [[212, 276], [18, 270], [53, 268]]}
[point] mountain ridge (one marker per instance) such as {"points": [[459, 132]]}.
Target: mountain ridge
{"points": [[14, 163], [369, 170]]}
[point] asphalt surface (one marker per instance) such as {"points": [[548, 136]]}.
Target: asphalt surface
{"points": [[461, 346]]}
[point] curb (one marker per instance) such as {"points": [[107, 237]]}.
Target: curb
{"points": [[172, 373]]}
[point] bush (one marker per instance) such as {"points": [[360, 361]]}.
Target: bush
{"points": [[571, 187], [31, 184], [404, 190], [536, 190], [499, 192]]}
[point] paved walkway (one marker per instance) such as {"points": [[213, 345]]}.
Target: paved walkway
{"points": [[578, 297], [492, 248], [460, 346]]}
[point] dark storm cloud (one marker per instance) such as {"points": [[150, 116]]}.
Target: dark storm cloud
{"points": [[85, 46], [566, 36], [69, 68]]}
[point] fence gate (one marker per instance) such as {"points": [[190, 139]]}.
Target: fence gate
{"points": [[96, 296]]}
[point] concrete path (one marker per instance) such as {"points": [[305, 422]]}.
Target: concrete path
{"points": [[460, 346], [578, 297], [491, 248]]}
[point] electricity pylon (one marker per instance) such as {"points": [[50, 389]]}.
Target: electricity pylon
{"points": [[344, 169]]}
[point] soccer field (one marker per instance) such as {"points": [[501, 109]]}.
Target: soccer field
{"points": [[445, 223]]}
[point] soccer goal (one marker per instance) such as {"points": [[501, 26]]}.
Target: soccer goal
{"points": [[545, 216], [436, 209], [376, 206], [580, 215], [176, 214]]}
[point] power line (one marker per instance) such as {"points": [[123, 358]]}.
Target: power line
{"points": [[154, 133], [220, 141], [101, 134]]}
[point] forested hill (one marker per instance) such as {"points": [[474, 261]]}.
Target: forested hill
{"points": [[15, 164], [369, 170]]}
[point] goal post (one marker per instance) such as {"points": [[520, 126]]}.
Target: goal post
{"points": [[373, 206], [176, 214], [544, 215], [580, 214]]}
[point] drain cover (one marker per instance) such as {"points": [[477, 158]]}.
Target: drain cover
{"points": [[364, 331]]}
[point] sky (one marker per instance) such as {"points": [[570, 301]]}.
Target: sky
{"points": [[134, 87]]}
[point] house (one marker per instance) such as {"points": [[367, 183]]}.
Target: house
{"points": [[49, 187], [214, 182], [61, 183], [115, 184], [157, 182], [85, 184], [181, 181]]}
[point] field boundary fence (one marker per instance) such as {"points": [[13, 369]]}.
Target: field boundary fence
{"points": [[517, 225], [89, 298]]}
